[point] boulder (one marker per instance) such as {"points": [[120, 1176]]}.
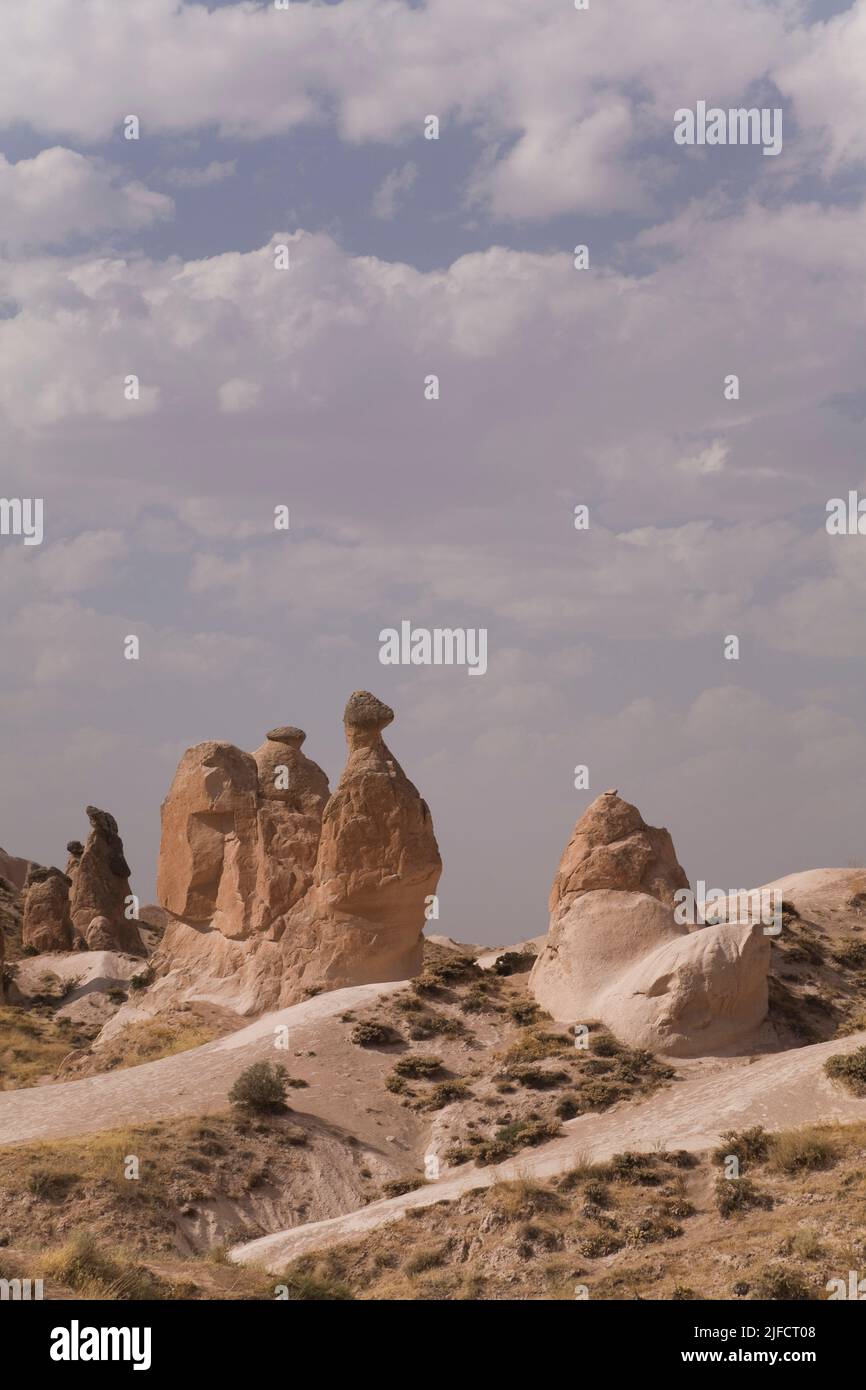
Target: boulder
{"points": [[47, 924], [615, 954], [101, 885], [612, 847]]}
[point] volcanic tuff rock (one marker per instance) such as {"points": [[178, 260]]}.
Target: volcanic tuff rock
{"points": [[615, 953], [47, 922], [377, 864], [14, 870], [612, 847], [293, 792], [101, 885], [276, 888]]}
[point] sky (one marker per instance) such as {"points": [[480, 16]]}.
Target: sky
{"points": [[559, 387]]}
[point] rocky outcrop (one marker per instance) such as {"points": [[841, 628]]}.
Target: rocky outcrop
{"points": [[101, 887], [293, 793], [74, 850], [207, 857], [612, 847], [378, 862], [275, 888], [14, 870], [615, 954], [47, 922]]}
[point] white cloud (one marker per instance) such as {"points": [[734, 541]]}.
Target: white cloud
{"points": [[561, 99], [61, 194]]}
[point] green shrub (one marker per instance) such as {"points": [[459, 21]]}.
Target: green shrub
{"points": [[261, 1088]]}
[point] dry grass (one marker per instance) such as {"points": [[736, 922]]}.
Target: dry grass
{"points": [[640, 1226], [33, 1044]]}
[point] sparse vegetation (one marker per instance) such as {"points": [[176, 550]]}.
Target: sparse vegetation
{"points": [[850, 1069], [372, 1034], [261, 1088]]}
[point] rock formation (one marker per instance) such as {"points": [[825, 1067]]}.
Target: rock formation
{"points": [[207, 858], [101, 887], [378, 862], [74, 849], [47, 922], [14, 870], [614, 952], [276, 889], [612, 847], [293, 792]]}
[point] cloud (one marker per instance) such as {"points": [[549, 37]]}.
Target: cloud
{"points": [[564, 102], [61, 194]]}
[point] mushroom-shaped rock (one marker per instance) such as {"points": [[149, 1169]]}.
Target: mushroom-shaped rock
{"points": [[101, 884], [74, 849], [378, 862], [47, 924]]}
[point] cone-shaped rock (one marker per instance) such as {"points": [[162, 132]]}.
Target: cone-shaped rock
{"points": [[615, 953], [612, 847], [47, 924], [377, 864], [101, 884]]}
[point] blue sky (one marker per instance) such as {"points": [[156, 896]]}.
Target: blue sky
{"points": [[454, 256]]}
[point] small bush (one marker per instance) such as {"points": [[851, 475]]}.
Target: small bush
{"points": [[261, 1088], [514, 962], [418, 1067], [801, 1150], [851, 955], [442, 1094], [49, 1184], [749, 1146], [781, 1283], [398, 1187], [426, 1258], [850, 1069], [736, 1195], [370, 1034]]}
